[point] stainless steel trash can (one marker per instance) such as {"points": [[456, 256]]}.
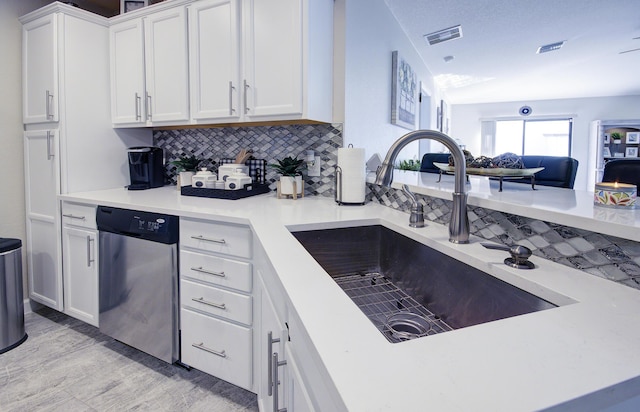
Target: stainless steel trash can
{"points": [[12, 331]]}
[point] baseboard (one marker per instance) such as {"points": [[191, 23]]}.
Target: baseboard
{"points": [[31, 306]]}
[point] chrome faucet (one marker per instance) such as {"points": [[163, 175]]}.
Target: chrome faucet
{"points": [[459, 223]]}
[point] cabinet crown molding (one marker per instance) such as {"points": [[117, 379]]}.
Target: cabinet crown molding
{"points": [[167, 4], [58, 7]]}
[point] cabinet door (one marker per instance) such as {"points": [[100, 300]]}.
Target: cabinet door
{"points": [[298, 399], [272, 36], [41, 189], [167, 97], [214, 35], [127, 72], [40, 70], [80, 270], [272, 341]]}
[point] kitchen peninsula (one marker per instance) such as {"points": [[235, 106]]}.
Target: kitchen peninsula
{"points": [[580, 355]]}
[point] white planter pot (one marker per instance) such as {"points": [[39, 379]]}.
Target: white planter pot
{"points": [[286, 185], [184, 178]]}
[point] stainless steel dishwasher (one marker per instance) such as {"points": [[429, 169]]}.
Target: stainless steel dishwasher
{"points": [[138, 278]]}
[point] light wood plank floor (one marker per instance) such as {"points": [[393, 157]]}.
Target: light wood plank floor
{"points": [[68, 365]]}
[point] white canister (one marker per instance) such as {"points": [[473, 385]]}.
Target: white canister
{"points": [[226, 170], [237, 180], [204, 179]]}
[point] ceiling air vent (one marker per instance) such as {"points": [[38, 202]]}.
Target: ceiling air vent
{"points": [[550, 47], [451, 33]]}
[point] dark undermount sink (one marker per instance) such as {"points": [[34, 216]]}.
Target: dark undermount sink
{"points": [[393, 278]]}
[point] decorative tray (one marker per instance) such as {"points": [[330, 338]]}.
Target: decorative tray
{"points": [[488, 171], [252, 189]]}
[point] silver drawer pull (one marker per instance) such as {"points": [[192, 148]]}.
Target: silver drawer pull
{"points": [[70, 216], [201, 346], [215, 305], [221, 241], [208, 272]]}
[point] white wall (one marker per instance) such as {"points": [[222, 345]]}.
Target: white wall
{"points": [[372, 33], [465, 121]]}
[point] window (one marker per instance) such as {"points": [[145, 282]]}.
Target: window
{"points": [[533, 137]]}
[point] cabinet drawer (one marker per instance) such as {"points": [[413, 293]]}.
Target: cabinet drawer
{"points": [[76, 214], [216, 270], [218, 302], [216, 237], [216, 347]]}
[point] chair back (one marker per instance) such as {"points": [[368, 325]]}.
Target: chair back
{"points": [[427, 166], [622, 171]]}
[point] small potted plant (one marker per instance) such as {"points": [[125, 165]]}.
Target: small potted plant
{"points": [[616, 137], [186, 166], [290, 170]]}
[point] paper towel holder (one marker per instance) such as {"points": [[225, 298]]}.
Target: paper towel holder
{"points": [[338, 189]]}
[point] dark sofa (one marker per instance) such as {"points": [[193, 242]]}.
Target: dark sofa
{"points": [[559, 171]]}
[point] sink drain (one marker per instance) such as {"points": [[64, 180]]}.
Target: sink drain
{"points": [[407, 325]]}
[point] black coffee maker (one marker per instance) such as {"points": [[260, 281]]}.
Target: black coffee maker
{"points": [[146, 167]]}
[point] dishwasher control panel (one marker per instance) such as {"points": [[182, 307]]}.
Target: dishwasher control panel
{"points": [[145, 225], [142, 224]]}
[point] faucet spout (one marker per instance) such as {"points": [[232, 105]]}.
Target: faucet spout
{"points": [[459, 222]]}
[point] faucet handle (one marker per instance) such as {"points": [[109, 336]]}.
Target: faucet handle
{"points": [[417, 211]]}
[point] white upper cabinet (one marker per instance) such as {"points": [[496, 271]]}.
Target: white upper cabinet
{"points": [[40, 70], [149, 75], [273, 57], [127, 72], [214, 61], [261, 60]]}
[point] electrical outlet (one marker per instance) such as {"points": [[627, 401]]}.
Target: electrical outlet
{"points": [[313, 170]]}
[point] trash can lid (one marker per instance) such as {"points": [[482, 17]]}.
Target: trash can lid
{"points": [[8, 244]]}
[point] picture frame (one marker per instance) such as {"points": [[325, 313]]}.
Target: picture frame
{"points": [[404, 93], [633, 137], [444, 118], [631, 152], [131, 5], [607, 138], [606, 152]]}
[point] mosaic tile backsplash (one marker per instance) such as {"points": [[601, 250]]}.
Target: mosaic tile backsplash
{"points": [[267, 142], [601, 255]]}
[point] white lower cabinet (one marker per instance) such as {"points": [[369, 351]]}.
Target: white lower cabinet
{"points": [[219, 348], [298, 398], [80, 262], [216, 314], [273, 335], [289, 374], [280, 387]]}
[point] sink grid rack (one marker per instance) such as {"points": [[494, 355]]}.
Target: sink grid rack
{"points": [[379, 298]]}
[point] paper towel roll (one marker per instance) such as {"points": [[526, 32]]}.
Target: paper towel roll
{"points": [[351, 181]]}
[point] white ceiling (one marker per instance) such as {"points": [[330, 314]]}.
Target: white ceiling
{"points": [[497, 57]]}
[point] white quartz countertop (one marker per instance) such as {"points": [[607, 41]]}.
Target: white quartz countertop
{"points": [[567, 207], [582, 355]]}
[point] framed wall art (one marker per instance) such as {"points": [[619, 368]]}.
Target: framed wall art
{"points": [[607, 138], [631, 152], [404, 93], [606, 152], [444, 118], [633, 137]]}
